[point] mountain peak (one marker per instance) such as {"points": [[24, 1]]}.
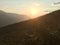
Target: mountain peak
{"points": [[2, 11]]}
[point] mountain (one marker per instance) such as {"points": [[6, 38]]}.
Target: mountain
{"points": [[10, 18], [44, 30]]}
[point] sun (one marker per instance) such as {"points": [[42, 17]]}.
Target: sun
{"points": [[33, 12]]}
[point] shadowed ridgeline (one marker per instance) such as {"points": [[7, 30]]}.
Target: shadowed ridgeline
{"points": [[44, 30]]}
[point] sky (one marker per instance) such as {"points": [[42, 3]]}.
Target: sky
{"points": [[23, 6]]}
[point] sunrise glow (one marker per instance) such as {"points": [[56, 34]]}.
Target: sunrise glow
{"points": [[34, 11]]}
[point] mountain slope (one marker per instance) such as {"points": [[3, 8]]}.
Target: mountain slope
{"points": [[44, 30], [10, 18]]}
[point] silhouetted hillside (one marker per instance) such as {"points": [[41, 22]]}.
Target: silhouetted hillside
{"points": [[44, 30], [10, 18]]}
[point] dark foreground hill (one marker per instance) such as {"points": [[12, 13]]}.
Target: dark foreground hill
{"points": [[10, 18], [43, 30]]}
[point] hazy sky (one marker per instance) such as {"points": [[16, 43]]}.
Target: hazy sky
{"points": [[21, 6]]}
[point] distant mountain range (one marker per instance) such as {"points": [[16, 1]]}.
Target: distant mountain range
{"points": [[44, 30], [10, 18]]}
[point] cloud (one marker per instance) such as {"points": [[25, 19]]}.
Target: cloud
{"points": [[56, 3]]}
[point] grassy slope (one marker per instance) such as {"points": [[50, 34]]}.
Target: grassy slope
{"points": [[43, 30]]}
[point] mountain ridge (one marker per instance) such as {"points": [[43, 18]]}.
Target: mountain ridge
{"points": [[57, 11], [44, 30], [10, 18]]}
